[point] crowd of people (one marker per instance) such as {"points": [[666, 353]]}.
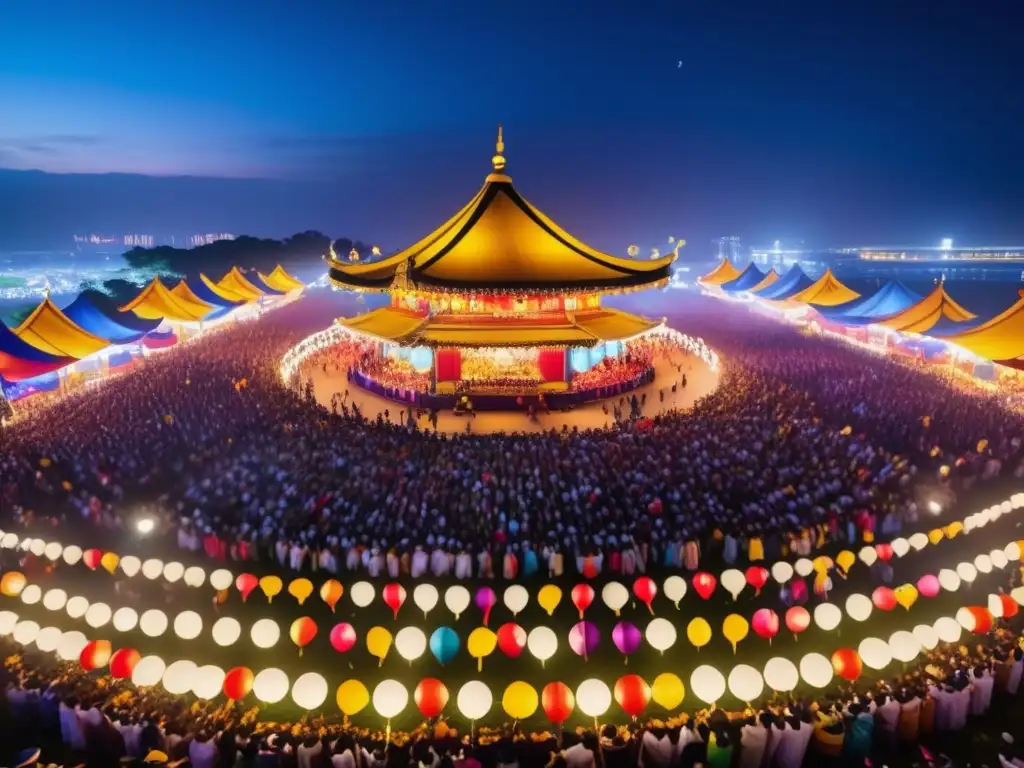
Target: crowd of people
{"points": [[638, 358]]}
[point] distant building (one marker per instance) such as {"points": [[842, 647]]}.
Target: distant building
{"points": [[945, 251], [95, 239], [729, 248], [197, 240], [138, 241]]}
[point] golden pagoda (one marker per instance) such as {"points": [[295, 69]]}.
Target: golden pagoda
{"points": [[500, 278]]}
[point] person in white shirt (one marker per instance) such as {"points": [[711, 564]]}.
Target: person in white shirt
{"points": [[961, 704], [308, 751], [420, 563], [343, 754], [656, 749], [753, 742], [463, 566], [582, 755], [796, 735], [981, 697], [944, 706], [1015, 672]]}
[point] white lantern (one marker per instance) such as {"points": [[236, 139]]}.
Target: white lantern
{"points": [[457, 600], [221, 579], [926, 636], [55, 599], [983, 563], [733, 581], [71, 645], [675, 589], [208, 682], [919, 541], [904, 646], [593, 697], [949, 580], [707, 684], [782, 572], [153, 569], [542, 643], [25, 632], [515, 598], [188, 625], [53, 551], [31, 594], [265, 633], [614, 595], [875, 653], [1012, 551], [661, 634], [125, 619], [72, 555], [270, 685], [76, 607], [390, 697], [1018, 594], [425, 597], [411, 643], [804, 567], [173, 572], [362, 593], [967, 572], [781, 674], [98, 615], [48, 639], [38, 547], [868, 556], [9, 541], [8, 619], [948, 629], [226, 631], [474, 700], [195, 576], [131, 565], [178, 677], [859, 607], [745, 683], [153, 622], [827, 616], [816, 670], [149, 671], [900, 546]]}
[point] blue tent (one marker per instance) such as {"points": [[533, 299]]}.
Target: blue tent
{"points": [[257, 279], [788, 285], [891, 298], [748, 279], [100, 316], [202, 290], [16, 390]]}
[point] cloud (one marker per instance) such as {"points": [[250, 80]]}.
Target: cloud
{"points": [[17, 151]]}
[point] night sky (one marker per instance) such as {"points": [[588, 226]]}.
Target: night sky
{"points": [[837, 122]]}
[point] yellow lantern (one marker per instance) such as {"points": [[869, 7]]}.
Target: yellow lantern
{"points": [[549, 597], [519, 700], [481, 643], [845, 560], [906, 595], [352, 697], [935, 535], [698, 632], [378, 643], [735, 629], [668, 691], [271, 586], [300, 589], [109, 562]]}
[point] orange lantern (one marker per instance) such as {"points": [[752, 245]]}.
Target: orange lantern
{"points": [[300, 589], [431, 696], [123, 662], [238, 683], [12, 583], [975, 619], [331, 593], [95, 655], [847, 664], [558, 702], [302, 632], [633, 694]]}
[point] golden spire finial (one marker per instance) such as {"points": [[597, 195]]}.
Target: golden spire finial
{"points": [[498, 161]]}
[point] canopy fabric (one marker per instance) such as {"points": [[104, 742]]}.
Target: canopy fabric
{"points": [[892, 297], [183, 292], [155, 301], [792, 283], [750, 277], [261, 283], [98, 315], [281, 280], [826, 291], [53, 332], [208, 290], [20, 360], [1001, 338], [235, 282], [14, 391], [923, 316], [725, 272], [770, 279]]}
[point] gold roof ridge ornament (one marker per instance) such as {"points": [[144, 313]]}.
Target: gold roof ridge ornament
{"points": [[498, 161]]}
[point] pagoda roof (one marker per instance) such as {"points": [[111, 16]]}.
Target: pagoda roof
{"points": [[925, 314], [500, 242], [225, 296], [581, 329], [50, 330], [280, 281], [235, 282], [826, 291], [725, 272], [156, 301]]}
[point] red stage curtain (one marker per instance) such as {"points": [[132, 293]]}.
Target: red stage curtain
{"points": [[552, 364], [449, 365]]}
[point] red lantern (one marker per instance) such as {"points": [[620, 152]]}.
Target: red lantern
{"points": [[95, 655], [558, 702], [582, 597], [704, 583], [645, 591], [238, 683], [884, 552], [511, 639], [757, 577], [246, 583], [1009, 606], [847, 664], [633, 694], [394, 597], [430, 696], [975, 619], [92, 558], [343, 637], [302, 632], [123, 662], [884, 599], [797, 619], [765, 622]]}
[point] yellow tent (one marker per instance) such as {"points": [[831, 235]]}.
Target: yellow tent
{"points": [[235, 282], [1001, 338], [155, 302], [723, 273], [224, 293], [921, 317], [280, 280], [183, 292], [826, 291], [53, 332], [770, 279]]}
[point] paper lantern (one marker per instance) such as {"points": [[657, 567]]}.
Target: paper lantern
{"points": [[245, 584], [37, 547], [803, 567], [698, 632], [265, 633], [26, 632], [661, 634], [846, 560], [1017, 593], [331, 592], [31, 594], [98, 615], [226, 631], [343, 637], [72, 555], [816, 670], [394, 597], [557, 702], [746, 683], [948, 629], [542, 643], [516, 598], [12, 583], [378, 643], [302, 632], [781, 674], [220, 579], [868, 556], [949, 580], [352, 697], [926, 636], [704, 584], [485, 600], [757, 577], [884, 599], [875, 653], [847, 664], [300, 589], [444, 644], [549, 597], [511, 639], [975, 619], [519, 700], [474, 700], [309, 691], [411, 643], [998, 558], [900, 547], [174, 572], [92, 558], [645, 591], [582, 596], [935, 535], [906, 595], [626, 638], [733, 582], [1012, 551], [929, 586], [53, 551], [967, 572], [1002, 606], [195, 577], [667, 690], [153, 569], [593, 697], [188, 625], [109, 562], [270, 685], [390, 697], [456, 599], [69, 647], [675, 589], [884, 552], [859, 607], [48, 639], [125, 619], [782, 572], [632, 693], [271, 586], [153, 622], [178, 677], [208, 682], [707, 684], [615, 596], [430, 697], [904, 646], [10, 541], [362, 593], [76, 607], [735, 629], [918, 541], [584, 638], [983, 564], [827, 616], [149, 671], [238, 683], [765, 622], [797, 620]]}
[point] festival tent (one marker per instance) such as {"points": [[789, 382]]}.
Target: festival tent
{"points": [[749, 277], [50, 330], [235, 282], [99, 315], [18, 390], [1001, 338], [792, 282], [20, 360], [925, 314], [260, 282], [770, 279], [211, 293], [155, 301], [826, 291], [891, 298], [723, 273], [281, 281], [185, 293]]}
